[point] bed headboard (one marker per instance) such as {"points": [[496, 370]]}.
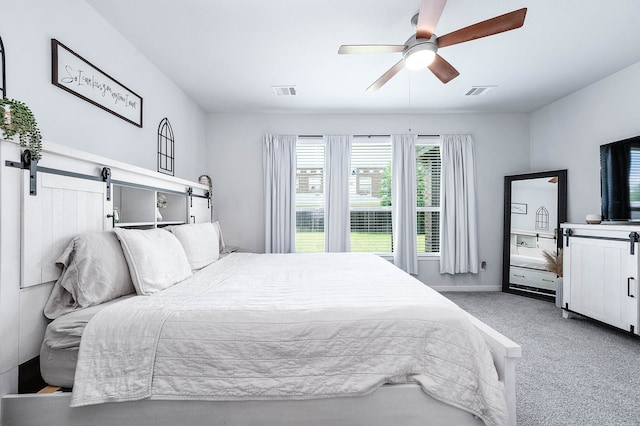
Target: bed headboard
{"points": [[44, 205]]}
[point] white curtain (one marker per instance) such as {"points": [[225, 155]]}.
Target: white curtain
{"points": [[337, 165], [279, 168], [459, 211], [403, 202]]}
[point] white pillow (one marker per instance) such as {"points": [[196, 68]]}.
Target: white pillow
{"points": [[216, 225], [155, 257], [200, 242]]}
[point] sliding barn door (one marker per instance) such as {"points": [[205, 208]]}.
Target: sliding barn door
{"points": [[63, 208], [603, 278]]}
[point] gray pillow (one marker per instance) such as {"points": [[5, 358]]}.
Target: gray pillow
{"points": [[94, 271]]}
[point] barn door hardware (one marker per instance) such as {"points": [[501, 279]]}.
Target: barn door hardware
{"points": [[633, 239], [568, 233], [106, 177], [27, 162], [32, 164], [191, 195]]}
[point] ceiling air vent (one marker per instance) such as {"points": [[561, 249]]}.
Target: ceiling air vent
{"points": [[479, 90], [284, 90]]}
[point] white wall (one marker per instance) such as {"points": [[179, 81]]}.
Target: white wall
{"points": [[27, 26], [567, 134], [534, 193], [235, 161]]}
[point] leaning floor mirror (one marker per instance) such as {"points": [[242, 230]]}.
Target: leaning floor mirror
{"points": [[535, 204]]}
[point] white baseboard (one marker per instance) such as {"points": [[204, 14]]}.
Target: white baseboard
{"points": [[444, 287]]}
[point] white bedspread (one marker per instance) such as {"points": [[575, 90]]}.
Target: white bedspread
{"points": [[295, 326]]}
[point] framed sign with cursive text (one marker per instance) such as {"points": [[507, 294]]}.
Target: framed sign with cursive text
{"points": [[72, 73]]}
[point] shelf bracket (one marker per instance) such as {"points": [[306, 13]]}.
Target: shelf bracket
{"points": [[190, 194], [106, 177]]}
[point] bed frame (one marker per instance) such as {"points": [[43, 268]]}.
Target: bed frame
{"points": [[43, 224]]}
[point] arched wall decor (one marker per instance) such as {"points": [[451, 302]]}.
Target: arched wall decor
{"points": [[3, 80], [166, 152], [542, 219]]}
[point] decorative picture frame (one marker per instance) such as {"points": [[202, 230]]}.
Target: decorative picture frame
{"points": [[76, 75], [519, 208]]}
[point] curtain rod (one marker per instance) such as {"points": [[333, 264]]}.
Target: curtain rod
{"points": [[361, 136]]}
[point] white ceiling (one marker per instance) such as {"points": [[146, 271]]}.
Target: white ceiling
{"points": [[227, 54]]}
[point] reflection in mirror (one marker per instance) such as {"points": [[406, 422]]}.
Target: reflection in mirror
{"points": [[535, 205]]}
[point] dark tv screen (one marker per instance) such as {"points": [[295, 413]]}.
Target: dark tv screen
{"points": [[620, 180]]}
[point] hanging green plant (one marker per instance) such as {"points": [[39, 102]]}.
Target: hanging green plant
{"points": [[19, 120]]}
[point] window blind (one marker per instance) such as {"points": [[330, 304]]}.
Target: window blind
{"points": [[634, 183], [370, 195], [428, 170], [310, 196]]}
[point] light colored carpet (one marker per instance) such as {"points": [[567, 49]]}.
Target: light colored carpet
{"points": [[572, 372]]}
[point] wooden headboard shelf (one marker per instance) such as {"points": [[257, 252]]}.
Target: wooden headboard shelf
{"points": [[44, 204]]}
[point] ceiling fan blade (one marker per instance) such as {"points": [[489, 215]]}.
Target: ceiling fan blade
{"points": [[428, 17], [370, 48], [443, 69], [499, 24], [386, 76]]}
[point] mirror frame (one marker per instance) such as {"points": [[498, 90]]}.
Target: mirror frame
{"points": [[562, 217]]}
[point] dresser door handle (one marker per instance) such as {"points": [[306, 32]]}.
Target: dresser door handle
{"points": [[629, 286]]}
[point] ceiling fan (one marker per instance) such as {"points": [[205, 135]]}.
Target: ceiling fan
{"points": [[421, 49]]}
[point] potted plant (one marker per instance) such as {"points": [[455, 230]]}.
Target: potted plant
{"points": [[19, 120], [161, 203], [206, 180], [554, 264]]}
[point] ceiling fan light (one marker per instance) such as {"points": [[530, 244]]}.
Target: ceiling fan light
{"points": [[420, 56]]}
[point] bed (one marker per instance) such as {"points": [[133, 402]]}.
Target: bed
{"points": [[258, 327], [529, 268], [229, 296], [530, 262]]}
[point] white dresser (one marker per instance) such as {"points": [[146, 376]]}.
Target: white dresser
{"points": [[601, 272]]}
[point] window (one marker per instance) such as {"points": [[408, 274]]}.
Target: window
{"points": [[370, 195], [310, 195], [428, 194]]}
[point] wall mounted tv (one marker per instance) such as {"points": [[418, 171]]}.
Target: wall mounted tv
{"points": [[620, 180]]}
